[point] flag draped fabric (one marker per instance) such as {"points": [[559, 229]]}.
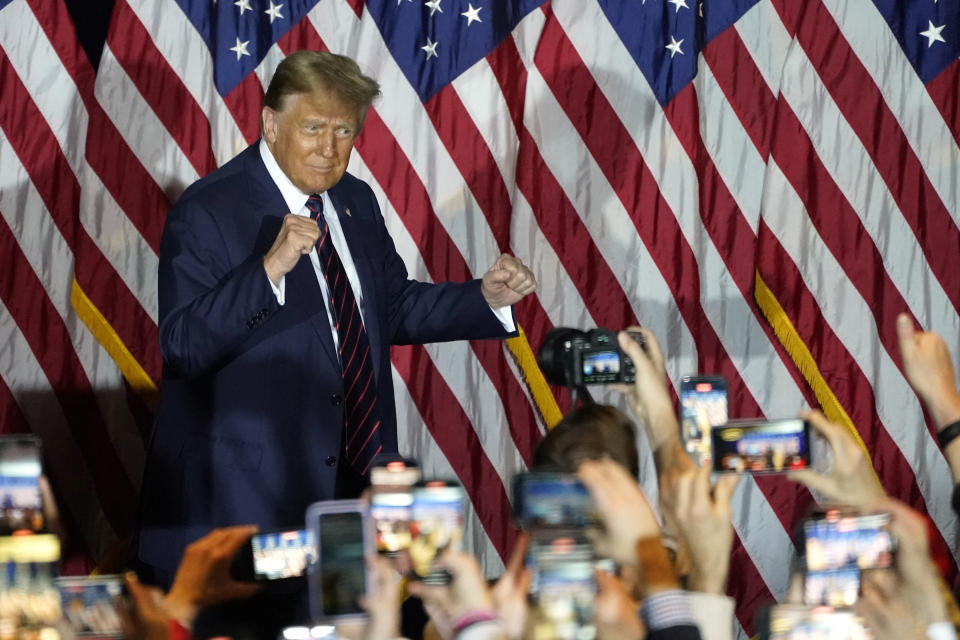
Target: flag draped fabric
{"points": [[764, 184]]}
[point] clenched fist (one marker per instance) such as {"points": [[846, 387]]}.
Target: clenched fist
{"points": [[507, 282], [298, 235]]}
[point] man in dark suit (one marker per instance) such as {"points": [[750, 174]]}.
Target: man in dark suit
{"points": [[280, 294]]}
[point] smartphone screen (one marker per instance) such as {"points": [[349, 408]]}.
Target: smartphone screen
{"points": [[563, 588], [90, 605], [798, 622], [28, 591], [437, 525], [761, 447], [21, 503], [391, 505], [551, 500], [837, 547], [281, 554], [703, 405], [341, 578]]}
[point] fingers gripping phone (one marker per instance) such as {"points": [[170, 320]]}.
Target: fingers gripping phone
{"points": [[703, 405], [338, 577], [761, 446]]}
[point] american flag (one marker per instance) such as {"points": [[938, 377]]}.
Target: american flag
{"points": [[764, 184]]}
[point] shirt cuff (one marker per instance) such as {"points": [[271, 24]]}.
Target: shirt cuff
{"points": [[279, 290], [505, 316], [941, 631], [666, 609]]}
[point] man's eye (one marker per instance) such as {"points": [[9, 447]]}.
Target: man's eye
{"points": [[343, 132]]}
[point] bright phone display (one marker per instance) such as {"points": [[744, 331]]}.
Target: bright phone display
{"points": [[703, 405], [281, 554], [391, 505], [798, 622], [90, 605], [551, 500], [21, 503], [437, 525], [759, 446], [563, 588], [837, 547]]}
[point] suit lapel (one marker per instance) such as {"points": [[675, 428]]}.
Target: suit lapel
{"points": [[355, 235], [303, 290]]}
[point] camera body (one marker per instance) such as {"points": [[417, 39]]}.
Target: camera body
{"points": [[574, 358]]}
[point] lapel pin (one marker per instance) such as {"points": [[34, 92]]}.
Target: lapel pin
{"points": [[347, 211]]}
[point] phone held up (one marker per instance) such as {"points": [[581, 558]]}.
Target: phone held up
{"points": [[546, 499], [92, 605], [391, 507], [21, 501], [338, 576], [838, 546], [436, 525], [759, 446], [274, 556], [703, 406]]}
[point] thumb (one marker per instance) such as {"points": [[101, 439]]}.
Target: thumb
{"points": [[905, 332], [723, 489]]}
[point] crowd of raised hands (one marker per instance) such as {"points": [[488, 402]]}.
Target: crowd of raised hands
{"points": [[669, 573]]}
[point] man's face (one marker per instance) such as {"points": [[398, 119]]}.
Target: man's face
{"points": [[311, 137]]}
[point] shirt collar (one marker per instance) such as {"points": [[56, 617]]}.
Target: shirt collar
{"points": [[292, 195]]}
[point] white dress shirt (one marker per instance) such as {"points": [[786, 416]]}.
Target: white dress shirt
{"points": [[296, 201]]}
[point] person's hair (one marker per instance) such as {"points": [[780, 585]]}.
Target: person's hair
{"points": [[590, 432], [309, 71]]}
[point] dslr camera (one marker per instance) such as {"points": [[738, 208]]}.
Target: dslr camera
{"points": [[573, 357]]}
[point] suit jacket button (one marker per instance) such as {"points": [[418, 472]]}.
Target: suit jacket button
{"points": [[336, 399], [330, 461]]}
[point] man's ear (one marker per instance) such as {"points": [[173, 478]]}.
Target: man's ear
{"points": [[268, 122]]}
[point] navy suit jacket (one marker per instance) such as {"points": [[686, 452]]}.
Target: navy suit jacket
{"points": [[250, 418]]}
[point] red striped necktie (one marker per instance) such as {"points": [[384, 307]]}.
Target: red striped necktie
{"points": [[361, 416]]}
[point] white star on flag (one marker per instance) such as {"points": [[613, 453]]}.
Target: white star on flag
{"points": [[240, 48], [430, 48], [472, 14], [274, 11], [678, 4], [932, 34], [244, 5], [674, 47], [434, 6]]}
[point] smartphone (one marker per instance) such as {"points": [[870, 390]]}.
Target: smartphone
{"points": [[338, 576], [92, 605], [28, 594], [703, 405], [436, 525], [761, 446], [838, 546], [391, 505], [274, 555], [799, 622], [563, 589], [21, 502], [547, 499]]}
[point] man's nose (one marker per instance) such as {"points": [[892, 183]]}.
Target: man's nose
{"points": [[328, 143]]}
